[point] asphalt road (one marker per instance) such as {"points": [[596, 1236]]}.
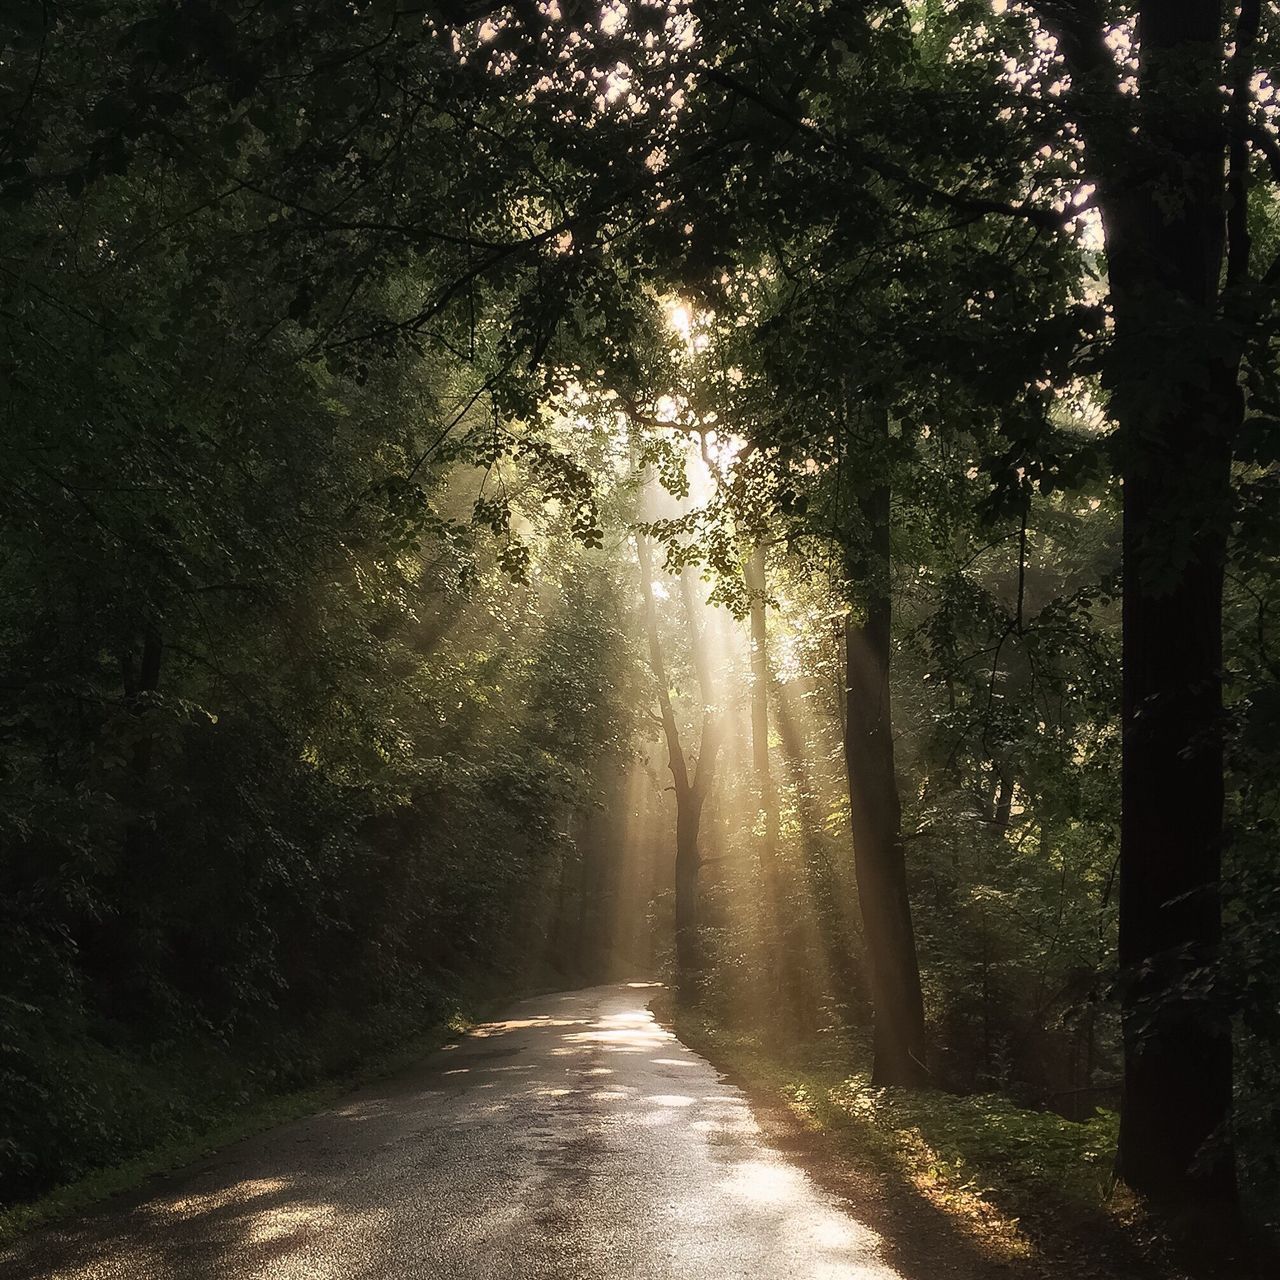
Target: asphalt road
{"points": [[573, 1140]]}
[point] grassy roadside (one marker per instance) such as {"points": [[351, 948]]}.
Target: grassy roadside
{"points": [[990, 1167], [1024, 1192], [205, 1134]]}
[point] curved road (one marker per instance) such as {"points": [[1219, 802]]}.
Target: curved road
{"points": [[573, 1140]]}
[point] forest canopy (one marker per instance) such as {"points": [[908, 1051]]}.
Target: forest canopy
{"points": [[781, 496]]}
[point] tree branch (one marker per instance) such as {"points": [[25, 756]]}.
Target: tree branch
{"points": [[1036, 215]]}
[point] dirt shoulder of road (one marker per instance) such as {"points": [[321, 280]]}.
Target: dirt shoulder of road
{"points": [[940, 1222]]}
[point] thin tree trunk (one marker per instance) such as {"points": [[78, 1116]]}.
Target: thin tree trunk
{"points": [[689, 958], [754, 575], [1002, 810], [689, 817], [691, 791], [875, 810]]}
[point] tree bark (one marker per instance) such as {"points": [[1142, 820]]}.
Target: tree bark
{"points": [[1173, 382], [879, 856]]}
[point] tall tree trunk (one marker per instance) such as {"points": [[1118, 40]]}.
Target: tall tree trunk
{"points": [[1177, 1040], [688, 938], [879, 856], [1175, 396], [1158, 160], [690, 790]]}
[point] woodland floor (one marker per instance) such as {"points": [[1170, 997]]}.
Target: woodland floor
{"points": [[575, 1138]]}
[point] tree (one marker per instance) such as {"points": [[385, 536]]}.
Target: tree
{"points": [[691, 788], [875, 806], [1159, 160]]}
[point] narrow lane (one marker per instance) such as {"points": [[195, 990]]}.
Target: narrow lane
{"points": [[575, 1139]]}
